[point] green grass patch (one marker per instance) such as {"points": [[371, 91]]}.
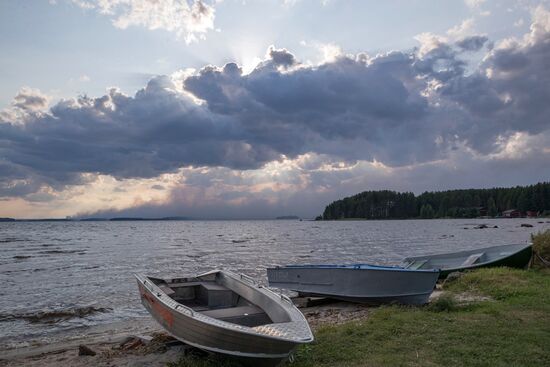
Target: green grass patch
{"points": [[511, 329], [445, 303]]}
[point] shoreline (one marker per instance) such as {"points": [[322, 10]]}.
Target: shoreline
{"points": [[106, 333], [468, 316], [108, 340]]}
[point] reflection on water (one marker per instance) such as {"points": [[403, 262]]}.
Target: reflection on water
{"points": [[67, 275]]}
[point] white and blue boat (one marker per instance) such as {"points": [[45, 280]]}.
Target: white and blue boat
{"points": [[362, 283]]}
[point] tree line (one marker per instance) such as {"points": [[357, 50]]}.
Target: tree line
{"points": [[468, 203]]}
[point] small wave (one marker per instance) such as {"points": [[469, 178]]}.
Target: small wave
{"points": [[12, 239], [239, 241], [21, 257], [53, 316], [198, 254], [80, 252], [91, 267]]}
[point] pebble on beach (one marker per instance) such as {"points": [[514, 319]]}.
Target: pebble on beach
{"points": [[85, 351]]}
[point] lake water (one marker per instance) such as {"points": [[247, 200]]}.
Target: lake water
{"points": [[62, 278]]}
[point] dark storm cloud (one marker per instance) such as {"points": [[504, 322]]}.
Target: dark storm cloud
{"points": [[153, 132], [307, 108], [441, 63], [281, 57], [399, 108], [473, 43], [509, 93], [15, 181]]}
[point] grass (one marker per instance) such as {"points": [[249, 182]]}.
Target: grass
{"points": [[510, 329], [445, 303], [541, 245]]}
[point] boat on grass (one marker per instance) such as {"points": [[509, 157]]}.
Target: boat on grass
{"points": [[514, 256], [227, 313], [362, 283]]}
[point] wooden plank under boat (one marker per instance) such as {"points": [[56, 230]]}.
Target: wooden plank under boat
{"points": [[227, 313], [515, 256], [357, 282]]}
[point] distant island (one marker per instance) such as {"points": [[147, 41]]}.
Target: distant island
{"points": [[519, 201], [94, 219], [118, 219], [285, 217]]}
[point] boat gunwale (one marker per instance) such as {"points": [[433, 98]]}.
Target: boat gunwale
{"points": [[473, 266], [295, 315], [354, 267]]}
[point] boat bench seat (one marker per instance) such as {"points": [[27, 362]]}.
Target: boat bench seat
{"points": [[206, 293], [211, 286], [242, 315], [472, 259], [184, 284], [224, 313]]}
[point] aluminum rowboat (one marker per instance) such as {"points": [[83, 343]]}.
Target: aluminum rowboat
{"points": [[514, 256], [227, 313], [357, 282]]}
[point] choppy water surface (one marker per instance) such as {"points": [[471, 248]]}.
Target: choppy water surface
{"points": [[58, 277]]}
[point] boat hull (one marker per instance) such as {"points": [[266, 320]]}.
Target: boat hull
{"points": [[513, 256], [378, 285], [213, 336]]}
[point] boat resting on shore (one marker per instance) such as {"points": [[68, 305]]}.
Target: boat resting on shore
{"points": [[362, 283], [514, 256], [227, 313]]}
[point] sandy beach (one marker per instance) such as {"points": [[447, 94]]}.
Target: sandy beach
{"points": [[146, 344]]}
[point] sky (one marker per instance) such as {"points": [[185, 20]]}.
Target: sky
{"points": [[255, 109]]}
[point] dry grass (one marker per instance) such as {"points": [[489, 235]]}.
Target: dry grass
{"points": [[541, 244]]}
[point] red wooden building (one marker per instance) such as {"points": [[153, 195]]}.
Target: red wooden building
{"points": [[512, 213]]}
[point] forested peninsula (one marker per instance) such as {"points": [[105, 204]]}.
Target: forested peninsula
{"points": [[533, 200]]}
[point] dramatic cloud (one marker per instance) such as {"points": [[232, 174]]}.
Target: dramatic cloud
{"points": [[509, 91], [258, 139], [30, 100], [304, 186], [28, 103]]}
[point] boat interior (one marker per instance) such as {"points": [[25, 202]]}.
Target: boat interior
{"points": [[213, 299]]}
